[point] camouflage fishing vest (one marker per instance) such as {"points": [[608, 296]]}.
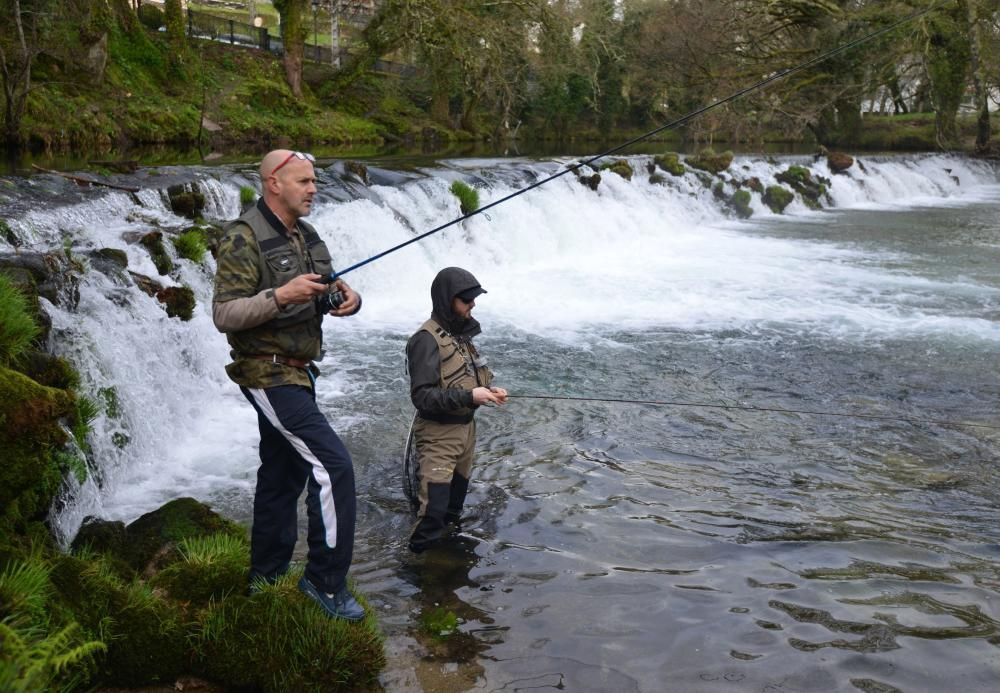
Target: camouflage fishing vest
{"points": [[461, 365], [297, 331]]}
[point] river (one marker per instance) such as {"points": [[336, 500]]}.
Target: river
{"points": [[746, 533]]}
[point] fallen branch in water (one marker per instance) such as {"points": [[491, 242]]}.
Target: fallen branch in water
{"points": [[87, 181]]}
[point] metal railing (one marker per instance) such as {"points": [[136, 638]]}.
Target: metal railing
{"points": [[211, 27]]}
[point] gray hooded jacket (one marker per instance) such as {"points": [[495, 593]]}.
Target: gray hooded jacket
{"points": [[422, 357]]}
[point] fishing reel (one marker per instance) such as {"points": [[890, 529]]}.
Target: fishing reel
{"points": [[332, 300]]}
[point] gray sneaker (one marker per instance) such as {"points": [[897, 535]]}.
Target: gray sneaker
{"points": [[340, 604]]}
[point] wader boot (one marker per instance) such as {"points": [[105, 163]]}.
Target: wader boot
{"points": [[456, 498], [431, 526]]}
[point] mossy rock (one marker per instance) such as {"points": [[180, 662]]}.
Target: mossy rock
{"points": [[359, 170], [30, 431], [50, 371], [109, 261], [754, 184], [7, 234], [719, 191], [278, 640], [592, 181], [153, 242], [709, 161], [178, 301], [620, 166], [159, 531], [800, 179], [101, 536], [671, 163], [210, 568], [657, 179], [777, 198], [740, 203], [146, 635], [186, 200]]}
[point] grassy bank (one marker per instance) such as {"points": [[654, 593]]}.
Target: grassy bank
{"points": [[209, 93]]}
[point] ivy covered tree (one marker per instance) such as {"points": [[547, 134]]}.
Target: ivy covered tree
{"points": [[293, 36]]}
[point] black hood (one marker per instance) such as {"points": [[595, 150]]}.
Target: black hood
{"points": [[446, 285]]}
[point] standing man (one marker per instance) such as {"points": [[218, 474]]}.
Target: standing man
{"points": [[270, 303], [449, 380]]}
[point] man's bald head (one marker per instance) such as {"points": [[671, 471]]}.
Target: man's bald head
{"points": [[271, 161]]}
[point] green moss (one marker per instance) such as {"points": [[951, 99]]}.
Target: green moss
{"points": [[153, 242], [620, 166], [439, 622], [657, 179], [29, 430], [777, 198], [671, 163], [191, 245], [467, 196], [178, 301], [112, 407], [151, 16], [85, 411], [71, 463], [210, 568], [7, 234], [51, 371], [740, 202], [708, 160], [279, 640]]}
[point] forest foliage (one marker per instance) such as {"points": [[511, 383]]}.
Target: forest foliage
{"points": [[546, 69]]}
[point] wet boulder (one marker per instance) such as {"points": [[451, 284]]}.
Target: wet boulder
{"points": [[671, 163], [620, 166], [800, 179], [777, 198], [155, 535], [153, 242], [839, 162], [178, 301], [709, 161], [186, 200], [740, 204]]}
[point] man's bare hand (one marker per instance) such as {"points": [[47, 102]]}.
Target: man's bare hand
{"points": [[351, 300], [302, 289], [489, 395]]}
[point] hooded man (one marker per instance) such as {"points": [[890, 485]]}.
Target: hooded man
{"points": [[449, 380]]}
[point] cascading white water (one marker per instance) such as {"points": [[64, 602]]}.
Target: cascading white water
{"points": [[561, 261]]}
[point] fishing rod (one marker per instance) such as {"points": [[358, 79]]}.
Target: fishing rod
{"points": [[333, 276], [706, 405]]}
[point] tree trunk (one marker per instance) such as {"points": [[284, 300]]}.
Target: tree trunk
{"points": [[15, 71], [293, 35], [982, 104]]}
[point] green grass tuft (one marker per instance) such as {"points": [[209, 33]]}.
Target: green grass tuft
{"points": [[467, 196], [191, 245], [17, 328]]}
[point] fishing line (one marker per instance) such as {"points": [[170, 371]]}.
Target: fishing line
{"points": [[705, 405], [680, 121]]}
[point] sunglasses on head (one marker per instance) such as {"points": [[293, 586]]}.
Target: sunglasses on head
{"points": [[305, 156]]}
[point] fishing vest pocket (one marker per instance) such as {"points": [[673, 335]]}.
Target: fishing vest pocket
{"points": [[283, 265], [321, 259]]}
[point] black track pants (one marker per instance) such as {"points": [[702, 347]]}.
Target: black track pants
{"points": [[299, 448]]}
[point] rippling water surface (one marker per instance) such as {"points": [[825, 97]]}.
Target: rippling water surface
{"points": [[631, 547]]}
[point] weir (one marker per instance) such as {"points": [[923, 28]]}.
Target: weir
{"points": [[563, 262]]}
